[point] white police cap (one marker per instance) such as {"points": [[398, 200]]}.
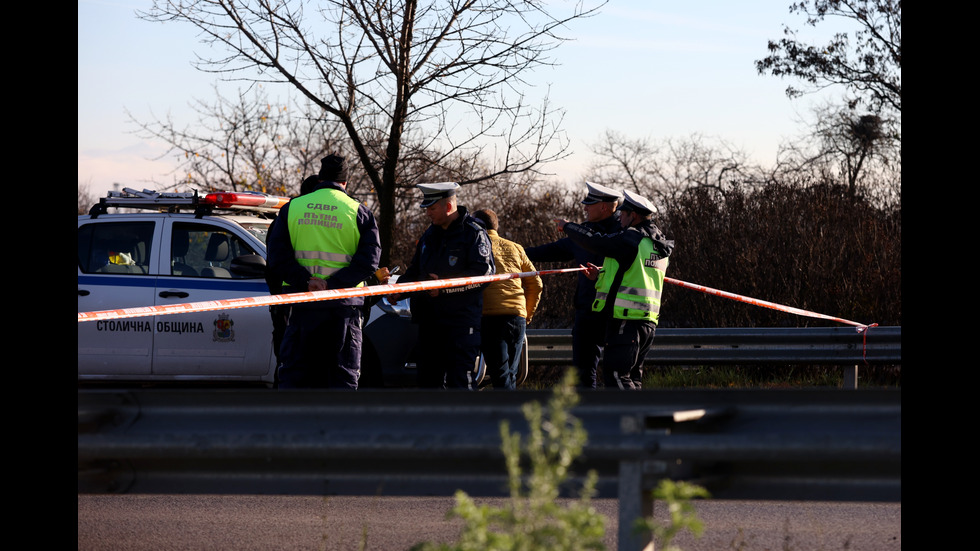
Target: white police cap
{"points": [[599, 193], [635, 203], [434, 192]]}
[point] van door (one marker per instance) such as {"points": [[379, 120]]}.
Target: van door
{"points": [[114, 259], [233, 344]]}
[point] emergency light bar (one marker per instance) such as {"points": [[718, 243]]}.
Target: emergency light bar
{"points": [[228, 199], [173, 201]]}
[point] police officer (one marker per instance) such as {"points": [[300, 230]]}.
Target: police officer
{"points": [[629, 288], [325, 239], [280, 312], [454, 245], [587, 330]]}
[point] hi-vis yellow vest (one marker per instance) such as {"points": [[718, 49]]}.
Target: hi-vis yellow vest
{"points": [[323, 230], [638, 296]]}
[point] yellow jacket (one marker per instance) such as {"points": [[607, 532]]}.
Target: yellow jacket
{"points": [[510, 297]]}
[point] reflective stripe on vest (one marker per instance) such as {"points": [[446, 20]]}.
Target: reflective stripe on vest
{"points": [[639, 293], [332, 211]]}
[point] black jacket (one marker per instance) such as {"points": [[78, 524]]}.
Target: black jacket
{"points": [[622, 246], [461, 250], [565, 250]]}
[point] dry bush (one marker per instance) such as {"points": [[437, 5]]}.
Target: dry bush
{"points": [[812, 248], [807, 247]]}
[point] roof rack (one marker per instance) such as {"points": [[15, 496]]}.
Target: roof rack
{"points": [[169, 201]]}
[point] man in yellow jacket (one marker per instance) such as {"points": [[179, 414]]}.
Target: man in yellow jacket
{"points": [[508, 306]]}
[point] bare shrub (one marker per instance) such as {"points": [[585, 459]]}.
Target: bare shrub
{"points": [[813, 248]]}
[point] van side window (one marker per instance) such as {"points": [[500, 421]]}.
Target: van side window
{"points": [[203, 250], [117, 247]]}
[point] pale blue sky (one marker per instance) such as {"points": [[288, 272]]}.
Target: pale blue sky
{"points": [[643, 68]]}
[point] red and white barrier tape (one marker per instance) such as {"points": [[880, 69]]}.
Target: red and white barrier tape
{"points": [[398, 288], [749, 300], [309, 296]]}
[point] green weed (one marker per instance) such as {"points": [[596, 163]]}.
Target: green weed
{"points": [[677, 497], [533, 518]]}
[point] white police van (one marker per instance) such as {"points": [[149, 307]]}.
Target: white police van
{"points": [[148, 252], [160, 248]]}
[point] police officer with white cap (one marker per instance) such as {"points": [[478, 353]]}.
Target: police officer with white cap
{"points": [[454, 245], [587, 330], [629, 288]]}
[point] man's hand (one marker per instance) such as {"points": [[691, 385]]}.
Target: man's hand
{"points": [[591, 271], [382, 275], [316, 284], [433, 292]]}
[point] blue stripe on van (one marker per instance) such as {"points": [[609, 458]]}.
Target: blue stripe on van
{"points": [[255, 286]]}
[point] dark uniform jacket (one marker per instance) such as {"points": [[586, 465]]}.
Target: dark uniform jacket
{"points": [[461, 250], [622, 246], [565, 250]]}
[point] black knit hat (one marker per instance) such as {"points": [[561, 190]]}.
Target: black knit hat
{"points": [[333, 169]]}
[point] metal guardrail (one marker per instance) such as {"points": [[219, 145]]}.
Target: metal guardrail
{"points": [[813, 345], [842, 346], [741, 444]]}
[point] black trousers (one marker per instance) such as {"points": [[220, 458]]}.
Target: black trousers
{"points": [[446, 355], [627, 344], [588, 337], [321, 348]]}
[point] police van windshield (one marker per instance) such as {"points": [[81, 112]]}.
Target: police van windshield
{"points": [[258, 229]]}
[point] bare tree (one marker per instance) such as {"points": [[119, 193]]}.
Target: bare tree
{"points": [[870, 67], [85, 200], [662, 170], [387, 69], [626, 161], [860, 152], [859, 142], [247, 143]]}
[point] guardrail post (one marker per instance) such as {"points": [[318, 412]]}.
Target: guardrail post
{"points": [[635, 501], [851, 378]]}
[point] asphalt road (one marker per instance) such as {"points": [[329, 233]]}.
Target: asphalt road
{"points": [[333, 523]]}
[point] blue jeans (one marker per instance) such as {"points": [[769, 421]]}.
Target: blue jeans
{"points": [[502, 339]]}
